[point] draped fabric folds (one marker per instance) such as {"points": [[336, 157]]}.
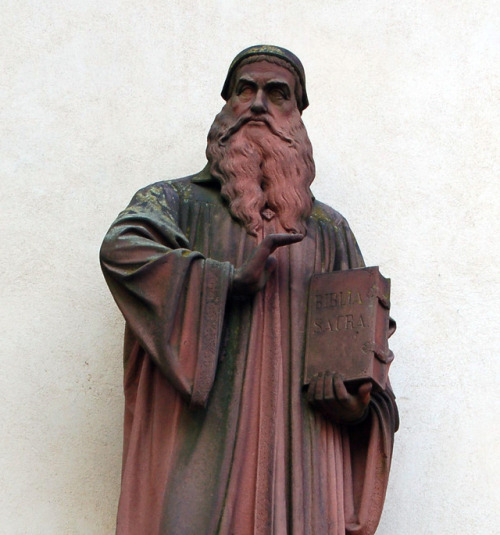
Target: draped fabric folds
{"points": [[219, 438]]}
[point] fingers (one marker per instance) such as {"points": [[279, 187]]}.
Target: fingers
{"points": [[258, 262], [261, 260], [320, 388], [325, 399], [364, 393], [272, 241], [271, 264], [329, 393], [320, 392], [341, 392], [311, 391], [253, 275], [327, 386], [315, 392]]}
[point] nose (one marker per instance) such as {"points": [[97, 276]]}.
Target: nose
{"points": [[259, 104]]}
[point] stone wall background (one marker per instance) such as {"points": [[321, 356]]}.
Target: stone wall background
{"points": [[98, 99]]}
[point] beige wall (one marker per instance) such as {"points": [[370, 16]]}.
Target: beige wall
{"points": [[100, 98]]}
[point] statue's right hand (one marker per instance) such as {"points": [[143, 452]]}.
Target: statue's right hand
{"points": [[252, 276]]}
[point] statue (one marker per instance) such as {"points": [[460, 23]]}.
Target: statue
{"points": [[211, 273]]}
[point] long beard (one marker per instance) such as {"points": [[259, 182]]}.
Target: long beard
{"points": [[267, 166]]}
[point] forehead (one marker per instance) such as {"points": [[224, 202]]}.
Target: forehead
{"points": [[262, 72]]}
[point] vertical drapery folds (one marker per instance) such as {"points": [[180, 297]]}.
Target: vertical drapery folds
{"points": [[219, 438]]}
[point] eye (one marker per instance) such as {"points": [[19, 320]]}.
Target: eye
{"points": [[245, 91], [277, 94]]}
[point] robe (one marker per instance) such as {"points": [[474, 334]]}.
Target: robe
{"points": [[219, 438]]}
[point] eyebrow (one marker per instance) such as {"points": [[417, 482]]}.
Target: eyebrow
{"points": [[270, 84], [278, 84], [244, 80]]}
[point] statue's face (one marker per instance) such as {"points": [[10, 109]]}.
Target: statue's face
{"points": [[263, 88], [259, 150]]}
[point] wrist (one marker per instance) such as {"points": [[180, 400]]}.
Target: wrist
{"points": [[359, 420]]}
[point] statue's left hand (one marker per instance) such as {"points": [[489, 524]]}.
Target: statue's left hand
{"points": [[328, 394]]}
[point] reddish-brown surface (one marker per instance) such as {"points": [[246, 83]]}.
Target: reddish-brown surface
{"points": [[348, 326], [211, 273]]}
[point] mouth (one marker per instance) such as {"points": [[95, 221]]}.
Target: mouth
{"points": [[243, 121], [257, 121]]}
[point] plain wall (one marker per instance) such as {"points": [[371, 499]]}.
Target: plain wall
{"points": [[98, 99]]}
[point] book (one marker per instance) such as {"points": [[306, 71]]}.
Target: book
{"points": [[348, 327]]}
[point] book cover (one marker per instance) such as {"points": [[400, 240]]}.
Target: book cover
{"points": [[348, 326]]}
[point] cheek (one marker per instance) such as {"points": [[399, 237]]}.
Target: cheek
{"points": [[284, 108], [240, 102], [283, 113]]}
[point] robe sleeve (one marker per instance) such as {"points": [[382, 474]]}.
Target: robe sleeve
{"points": [[173, 299], [367, 447]]}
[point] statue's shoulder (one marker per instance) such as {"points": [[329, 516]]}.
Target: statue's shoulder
{"points": [[326, 214], [171, 190], [153, 197], [178, 185]]}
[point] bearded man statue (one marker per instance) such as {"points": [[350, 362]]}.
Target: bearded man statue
{"points": [[211, 273]]}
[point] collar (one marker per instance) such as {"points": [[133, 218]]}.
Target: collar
{"points": [[204, 176]]}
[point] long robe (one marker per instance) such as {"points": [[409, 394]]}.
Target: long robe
{"points": [[218, 437]]}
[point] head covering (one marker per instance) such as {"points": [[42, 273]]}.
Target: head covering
{"points": [[269, 50]]}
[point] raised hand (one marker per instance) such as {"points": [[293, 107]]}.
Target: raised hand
{"points": [[252, 276]]}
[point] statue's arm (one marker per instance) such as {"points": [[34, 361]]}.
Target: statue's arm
{"points": [[172, 298], [327, 393]]}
